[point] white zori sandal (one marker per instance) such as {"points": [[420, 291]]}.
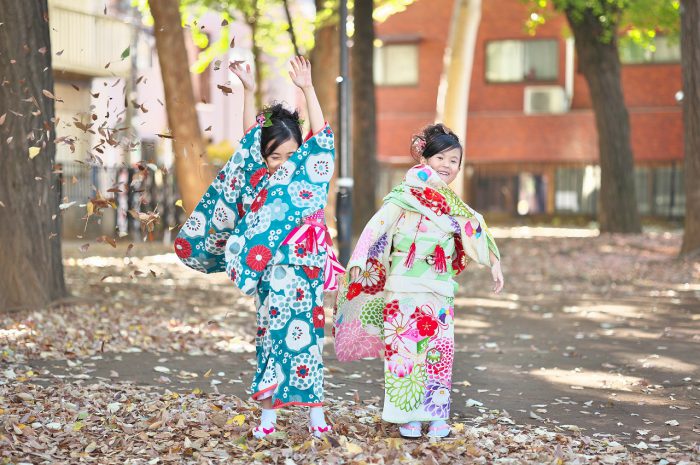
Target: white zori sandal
{"points": [[411, 430], [260, 432], [438, 429], [320, 431]]}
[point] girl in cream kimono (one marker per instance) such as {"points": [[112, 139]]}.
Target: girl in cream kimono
{"points": [[399, 299], [262, 222]]}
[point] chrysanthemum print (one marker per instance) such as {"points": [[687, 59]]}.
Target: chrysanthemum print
{"points": [[239, 227], [417, 332]]}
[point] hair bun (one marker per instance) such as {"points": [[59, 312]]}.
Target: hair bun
{"points": [[433, 139]]}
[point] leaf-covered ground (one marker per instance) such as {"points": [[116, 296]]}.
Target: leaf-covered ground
{"points": [[590, 356]]}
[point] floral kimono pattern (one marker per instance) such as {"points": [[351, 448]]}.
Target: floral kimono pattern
{"points": [[268, 234], [402, 305]]}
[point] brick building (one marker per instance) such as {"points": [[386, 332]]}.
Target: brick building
{"points": [[531, 140]]}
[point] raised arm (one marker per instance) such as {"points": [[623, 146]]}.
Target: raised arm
{"points": [[301, 77], [248, 79]]}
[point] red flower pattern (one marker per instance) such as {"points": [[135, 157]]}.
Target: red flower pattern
{"points": [[259, 201], [354, 290], [258, 176], [427, 326], [391, 309], [258, 257], [302, 371], [319, 317], [183, 249], [311, 271], [431, 199]]}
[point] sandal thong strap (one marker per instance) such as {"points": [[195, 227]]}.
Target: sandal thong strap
{"points": [[321, 429], [265, 431], [410, 427]]}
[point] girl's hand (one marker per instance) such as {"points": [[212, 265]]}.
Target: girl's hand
{"points": [[301, 72], [244, 74], [497, 276], [354, 273]]}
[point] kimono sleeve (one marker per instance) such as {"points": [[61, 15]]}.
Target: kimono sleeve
{"points": [[477, 240], [201, 242], [375, 240]]}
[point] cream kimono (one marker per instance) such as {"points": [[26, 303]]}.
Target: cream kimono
{"points": [[402, 305]]}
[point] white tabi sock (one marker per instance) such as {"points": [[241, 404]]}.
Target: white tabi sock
{"points": [[317, 417], [268, 417]]}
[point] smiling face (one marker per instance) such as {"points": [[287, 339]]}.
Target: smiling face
{"points": [[446, 164], [281, 154]]}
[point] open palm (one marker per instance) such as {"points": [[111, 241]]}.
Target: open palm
{"points": [[301, 72], [245, 74]]}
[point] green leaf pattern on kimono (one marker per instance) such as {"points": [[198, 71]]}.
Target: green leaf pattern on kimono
{"points": [[371, 314], [457, 206], [406, 393]]}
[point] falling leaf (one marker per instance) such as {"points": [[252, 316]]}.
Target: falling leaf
{"points": [[50, 95], [59, 53], [2, 118], [225, 89], [33, 152], [84, 247], [126, 52], [233, 42]]}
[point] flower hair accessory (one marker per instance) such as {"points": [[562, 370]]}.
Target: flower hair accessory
{"points": [[264, 119], [417, 147]]}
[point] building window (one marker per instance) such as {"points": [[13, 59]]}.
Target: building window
{"points": [[396, 65], [664, 50], [522, 60]]}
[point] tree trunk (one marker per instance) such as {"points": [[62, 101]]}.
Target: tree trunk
{"points": [[690, 62], [193, 172], [31, 271], [292, 35], [325, 66], [252, 20], [600, 64], [364, 126]]}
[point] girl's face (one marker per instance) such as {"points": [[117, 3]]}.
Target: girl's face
{"points": [[280, 155], [445, 164]]}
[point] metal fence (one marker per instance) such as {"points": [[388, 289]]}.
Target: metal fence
{"points": [[142, 188]]}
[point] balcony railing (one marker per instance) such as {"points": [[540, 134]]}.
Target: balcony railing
{"points": [[87, 42]]}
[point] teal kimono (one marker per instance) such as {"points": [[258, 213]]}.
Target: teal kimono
{"points": [[268, 234]]}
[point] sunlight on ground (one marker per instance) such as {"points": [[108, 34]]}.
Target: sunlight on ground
{"points": [[528, 232], [469, 302], [12, 334], [470, 324], [579, 378], [659, 362]]}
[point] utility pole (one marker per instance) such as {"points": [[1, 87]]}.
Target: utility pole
{"points": [[345, 180]]}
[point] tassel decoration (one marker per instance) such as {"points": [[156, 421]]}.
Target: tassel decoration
{"points": [[411, 257], [440, 260], [458, 264]]}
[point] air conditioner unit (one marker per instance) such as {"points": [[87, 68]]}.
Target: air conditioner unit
{"points": [[545, 99]]}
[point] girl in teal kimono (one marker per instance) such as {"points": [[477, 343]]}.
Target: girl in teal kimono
{"points": [[262, 222], [399, 300]]}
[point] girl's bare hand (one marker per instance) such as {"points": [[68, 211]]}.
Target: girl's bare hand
{"points": [[497, 276], [301, 72], [244, 74], [354, 273]]}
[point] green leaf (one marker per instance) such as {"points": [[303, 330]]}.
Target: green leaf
{"points": [[422, 345], [126, 52]]}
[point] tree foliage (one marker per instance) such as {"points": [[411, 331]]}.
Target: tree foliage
{"points": [[638, 20]]}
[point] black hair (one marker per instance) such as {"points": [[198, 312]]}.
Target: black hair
{"points": [[285, 126], [434, 139]]}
